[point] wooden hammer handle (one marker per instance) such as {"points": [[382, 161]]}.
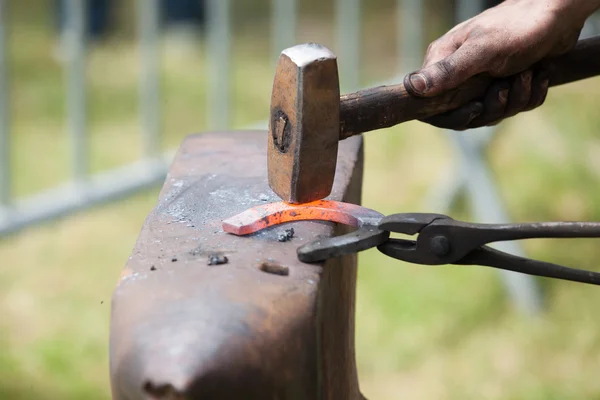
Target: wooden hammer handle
{"points": [[385, 106]]}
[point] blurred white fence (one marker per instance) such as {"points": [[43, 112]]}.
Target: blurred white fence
{"points": [[85, 190]]}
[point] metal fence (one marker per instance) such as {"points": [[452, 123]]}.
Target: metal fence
{"points": [[85, 189]]}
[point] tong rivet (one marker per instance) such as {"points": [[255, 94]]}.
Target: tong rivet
{"points": [[440, 246]]}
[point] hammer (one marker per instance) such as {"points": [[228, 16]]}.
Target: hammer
{"points": [[308, 117]]}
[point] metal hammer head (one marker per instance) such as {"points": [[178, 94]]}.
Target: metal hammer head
{"points": [[304, 125]]}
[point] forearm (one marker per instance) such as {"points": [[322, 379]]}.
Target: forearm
{"points": [[580, 9]]}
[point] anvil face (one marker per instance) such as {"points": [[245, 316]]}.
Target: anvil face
{"points": [[241, 329]]}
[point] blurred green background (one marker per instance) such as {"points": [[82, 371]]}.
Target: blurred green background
{"points": [[422, 332]]}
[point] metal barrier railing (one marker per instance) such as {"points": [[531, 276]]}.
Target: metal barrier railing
{"points": [[5, 183], [85, 190], [149, 94], [475, 178]]}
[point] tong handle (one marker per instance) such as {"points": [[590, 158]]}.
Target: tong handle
{"points": [[540, 230], [489, 257], [466, 237], [443, 240]]}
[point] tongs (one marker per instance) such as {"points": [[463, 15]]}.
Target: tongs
{"points": [[441, 240]]}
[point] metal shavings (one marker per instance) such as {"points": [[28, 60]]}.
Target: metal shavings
{"points": [[271, 267], [217, 259], [285, 235]]}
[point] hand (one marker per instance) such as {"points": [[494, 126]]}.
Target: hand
{"points": [[503, 42], [503, 99]]}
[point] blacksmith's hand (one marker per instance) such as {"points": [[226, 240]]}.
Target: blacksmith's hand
{"points": [[503, 42]]}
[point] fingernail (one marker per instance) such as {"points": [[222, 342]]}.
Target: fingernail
{"points": [[545, 84], [477, 111], [503, 95], [526, 77], [418, 83]]}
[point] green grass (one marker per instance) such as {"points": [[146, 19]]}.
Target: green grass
{"points": [[422, 332]]}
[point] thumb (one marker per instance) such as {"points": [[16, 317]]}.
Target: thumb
{"points": [[443, 75]]}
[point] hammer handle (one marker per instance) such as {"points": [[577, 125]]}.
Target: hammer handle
{"points": [[385, 106]]}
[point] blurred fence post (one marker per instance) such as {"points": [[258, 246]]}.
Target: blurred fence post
{"points": [[76, 88], [592, 26], [5, 184], [486, 204], [149, 93], [410, 39], [348, 42], [283, 25], [474, 176], [219, 27]]}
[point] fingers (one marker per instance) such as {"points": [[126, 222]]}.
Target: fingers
{"points": [[503, 99], [458, 119], [526, 91], [446, 74], [539, 90], [494, 105], [438, 50], [520, 94]]}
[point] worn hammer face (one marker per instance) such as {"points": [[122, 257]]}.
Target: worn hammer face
{"points": [[304, 125]]}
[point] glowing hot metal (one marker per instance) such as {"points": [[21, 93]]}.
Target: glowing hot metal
{"points": [[264, 216], [268, 215]]}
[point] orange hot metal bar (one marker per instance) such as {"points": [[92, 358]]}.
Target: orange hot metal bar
{"points": [[367, 236], [265, 216]]}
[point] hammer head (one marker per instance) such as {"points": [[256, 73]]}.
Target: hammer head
{"points": [[304, 125]]}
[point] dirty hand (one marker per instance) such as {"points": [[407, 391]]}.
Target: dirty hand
{"points": [[503, 42]]}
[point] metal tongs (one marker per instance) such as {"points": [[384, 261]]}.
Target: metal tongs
{"points": [[441, 239]]}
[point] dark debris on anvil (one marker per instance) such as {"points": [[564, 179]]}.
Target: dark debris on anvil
{"points": [[217, 259], [286, 235], [272, 267]]}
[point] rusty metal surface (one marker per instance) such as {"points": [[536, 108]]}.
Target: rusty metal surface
{"points": [[260, 324], [304, 124]]}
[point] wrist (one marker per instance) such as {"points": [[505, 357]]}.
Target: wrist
{"points": [[580, 10]]}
